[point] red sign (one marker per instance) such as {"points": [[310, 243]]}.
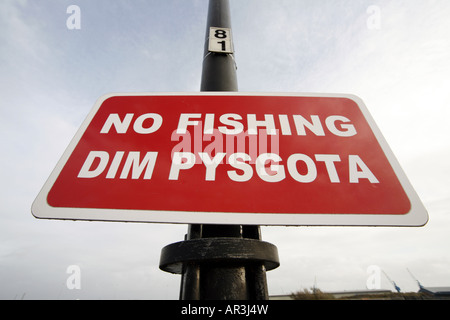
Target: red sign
{"points": [[231, 158]]}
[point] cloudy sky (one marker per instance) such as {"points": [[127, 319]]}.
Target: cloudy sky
{"points": [[395, 55]]}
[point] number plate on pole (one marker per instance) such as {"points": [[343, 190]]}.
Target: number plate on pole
{"points": [[220, 40]]}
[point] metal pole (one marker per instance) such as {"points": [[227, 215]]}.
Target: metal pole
{"points": [[219, 69], [219, 74], [220, 262]]}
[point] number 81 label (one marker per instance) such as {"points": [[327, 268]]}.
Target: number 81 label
{"points": [[220, 40]]}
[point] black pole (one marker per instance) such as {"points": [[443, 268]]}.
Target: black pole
{"points": [[220, 262], [219, 69], [219, 74]]}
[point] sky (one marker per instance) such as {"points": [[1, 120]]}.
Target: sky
{"points": [[394, 55]]}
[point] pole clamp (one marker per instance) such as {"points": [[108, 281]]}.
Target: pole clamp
{"points": [[225, 251]]}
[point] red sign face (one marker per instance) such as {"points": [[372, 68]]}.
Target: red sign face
{"points": [[231, 159]]}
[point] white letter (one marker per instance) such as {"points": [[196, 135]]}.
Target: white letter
{"points": [[86, 173], [74, 280], [121, 126], [184, 121], [157, 122], [178, 164], [225, 119], [74, 21], [133, 161], [262, 172], [331, 125], [311, 173], [211, 164], [285, 127], [374, 20], [115, 165], [241, 165], [268, 123], [365, 173], [315, 126], [209, 123], [374, 280], [329, 160]]}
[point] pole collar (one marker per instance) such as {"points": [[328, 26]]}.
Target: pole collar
{"points": [[224, 251]]}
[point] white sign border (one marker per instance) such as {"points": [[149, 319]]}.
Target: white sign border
{"points": [[417, 216]]}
